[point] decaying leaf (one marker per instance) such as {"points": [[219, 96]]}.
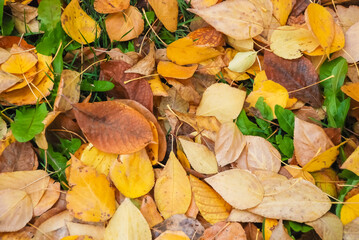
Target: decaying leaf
{"points": [[221, 101], [242, 19], [15, 210], [172, 189], [146, 65], [113, 132], [240, 188], [351, 230], [127, 223], [207, 37], [49, 198], [211, 205], [175, 235], [78, 25], [229, 144], [8, 80], [200, 157], [91, 198], [352, 90], [124, 26], [328, 227], [242, 61], [68, 90], [167, 12], [224, 230], [244, 216], [132, 174], [309, 140], [111, 6]]}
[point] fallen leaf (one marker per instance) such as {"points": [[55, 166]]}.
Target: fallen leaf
{"points": [[96, 232], [124, 26], [282, 9], [239, 188], [345, 16], [172, 70], [223, 231], [294, 75], [221, 101], [200, 157], [8, 80], [298, 172], [101, 161], [210, 204], [289, 41], [240, 45], [186, 89], [351, 90], [22, 27], [352, 162], [328, 227], [172, 235], [350, 210], [326, 180], [138, 89], [23, 12], [309, 141], [68, 92], [18, 157], [279, 232], [167, 12], [78, 25], [321, 24], [259, 154], [157, 87], [132, 174], [242, 61], [180, 222], [149, 211], [54, 226], [184, 51], [351, 230], [203, 3], [229, 144], [34, 183], [199, 123], [20, 61], [172, 189], [207, 37], [15, 210], [242, 19], [244, 216], [192, 210], [91, 198], [145, 66], [294, 199], [113, 132], [49, 198], [111, 6]]}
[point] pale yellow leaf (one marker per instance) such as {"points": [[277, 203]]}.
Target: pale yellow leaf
{"points": [[97, 232], [49, 198], [280, 232], [242, 61], [68, 92], [244, 216]]}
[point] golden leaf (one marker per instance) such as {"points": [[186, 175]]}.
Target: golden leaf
{"points": [[172, 70], [350, 210], [167, 12], [281, 10], [20, 61], [352, 162], [111, 6]]}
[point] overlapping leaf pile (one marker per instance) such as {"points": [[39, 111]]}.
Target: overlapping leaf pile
{"points": [[232, 119]]}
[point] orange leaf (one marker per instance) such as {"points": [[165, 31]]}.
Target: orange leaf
{"points": [[167, 12], [207, 36], [111, 6], [169, 69], [352, 90]]}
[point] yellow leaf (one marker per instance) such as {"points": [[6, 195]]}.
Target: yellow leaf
{"points": [[269, 225], [200, 157], [26, 78], [172, 189], [211, 205], [282, 9], [68, 92], [20, 61], [183, 51], [33, 183], [15, 210], [298, 172], [242, 61], [238, 187], [352, 90], [172, 70], [77, 237], [327, 181], [350, 210], [157, 87], [172, 235], [167, 12], [127, 223], [321, 23], [352, 162], [78, 25], [324, 160], [111, 6], [273, 94], [94, 231], [97, 159], [91, 197], [183, 159], [133, 174], [289, 42], [153, 147], [124, 26], [222, 101], [236, 18]]}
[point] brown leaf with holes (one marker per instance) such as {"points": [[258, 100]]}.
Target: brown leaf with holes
{"points": [[298, 75], [18, 157], [113, 127], [207, 37], [138, 89]]}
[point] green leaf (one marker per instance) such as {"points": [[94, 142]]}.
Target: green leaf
{"points": [[58, 162], [28, 123], [7, 25], [338, 68], [299, 227], [1, 11], [97, 86], [49, 14], [285, 145], [246, 126], [69, 146], [285, 119], [51, 40], [264, 109]]}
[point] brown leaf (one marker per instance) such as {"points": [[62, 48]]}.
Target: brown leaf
{"points": [[49, 198], [138, 90], [328, 227], [351, 230], [145, 66], [68, 91], [306, 113], [309, 141], [252, 232], [150, 212], [186, 89], [23, 12], [113, 126], [279, 232], [18, 157], [334, 134], [191, 227], [224, 231], [294, 75], [207, 37], [9, 41]]}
